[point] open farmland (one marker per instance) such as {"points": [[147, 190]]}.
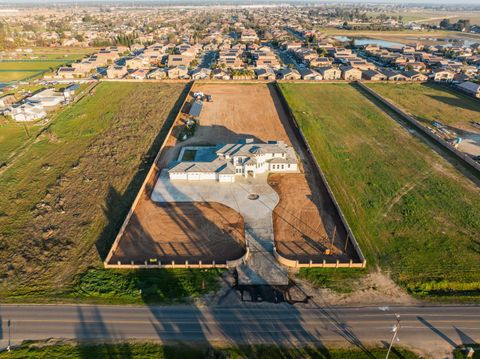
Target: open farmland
{"points": [[411, 211], [430, 102], [65, 197], [26, 65], [302, 224]]}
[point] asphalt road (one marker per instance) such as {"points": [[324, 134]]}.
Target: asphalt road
{"points": [[434, 329]]}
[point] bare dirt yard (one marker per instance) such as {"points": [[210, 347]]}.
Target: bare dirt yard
{"points": [[303, 220], [182, 231]]}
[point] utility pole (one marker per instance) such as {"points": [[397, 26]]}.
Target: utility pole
{"points": [[396, 329]]}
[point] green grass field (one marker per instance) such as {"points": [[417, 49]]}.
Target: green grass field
{"points": [[13, 135], [26, 65], [188, 351], [65, 197], [430, 102], [412, 212]]}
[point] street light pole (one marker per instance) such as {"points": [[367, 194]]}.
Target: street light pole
{"points": [[9, 343], [395, 330]]}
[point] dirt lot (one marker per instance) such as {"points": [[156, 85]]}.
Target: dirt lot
{"points": [[238, 111], [302, 223], [182, 231]]}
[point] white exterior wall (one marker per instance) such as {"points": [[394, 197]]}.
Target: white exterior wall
{"points": [[208, 176], [226, 178], [178, 176]]}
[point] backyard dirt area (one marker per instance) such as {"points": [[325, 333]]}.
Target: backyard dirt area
{"points": [[303, 221], [182, 231]]}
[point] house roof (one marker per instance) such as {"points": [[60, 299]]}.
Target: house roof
{"points": [[470, 86]]}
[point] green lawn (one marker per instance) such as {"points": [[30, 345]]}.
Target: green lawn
{"points": [[188, 351], [413, 213], [64, 198], [430, 102]]}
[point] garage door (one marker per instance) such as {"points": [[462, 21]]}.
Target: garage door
{"points": [[194, 176]]}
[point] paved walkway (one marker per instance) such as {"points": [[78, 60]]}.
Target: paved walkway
{"points": [[261, 267]]}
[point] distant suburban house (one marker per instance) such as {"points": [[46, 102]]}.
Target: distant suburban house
{"points": [[116, 71], [350, 73], [393, 75], [179, 72], [309, 74], [415, 76], [289, 74], [320, 62], [471, 88], [179, 60], [71, 72], [157, 74], [200, 74], [139, 74], [372, 75], [241, 159], [220, 74], [442, 75], [330, 73], [265, 74]]}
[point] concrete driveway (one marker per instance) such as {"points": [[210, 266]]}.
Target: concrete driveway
{"points": [[261, 268]]}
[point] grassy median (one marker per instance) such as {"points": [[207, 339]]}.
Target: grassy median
{"points": [[64, 198], [413, 213]]}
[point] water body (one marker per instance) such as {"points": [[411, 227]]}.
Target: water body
{"points": [[360, 41]]}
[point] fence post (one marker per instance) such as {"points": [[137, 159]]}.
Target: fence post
{"points": [[173, 264], [323, 264], [186, 264], [199, 264], [336, 264], [310, 264]]}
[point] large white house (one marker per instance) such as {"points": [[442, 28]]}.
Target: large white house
{"points": [[239, 159]]}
